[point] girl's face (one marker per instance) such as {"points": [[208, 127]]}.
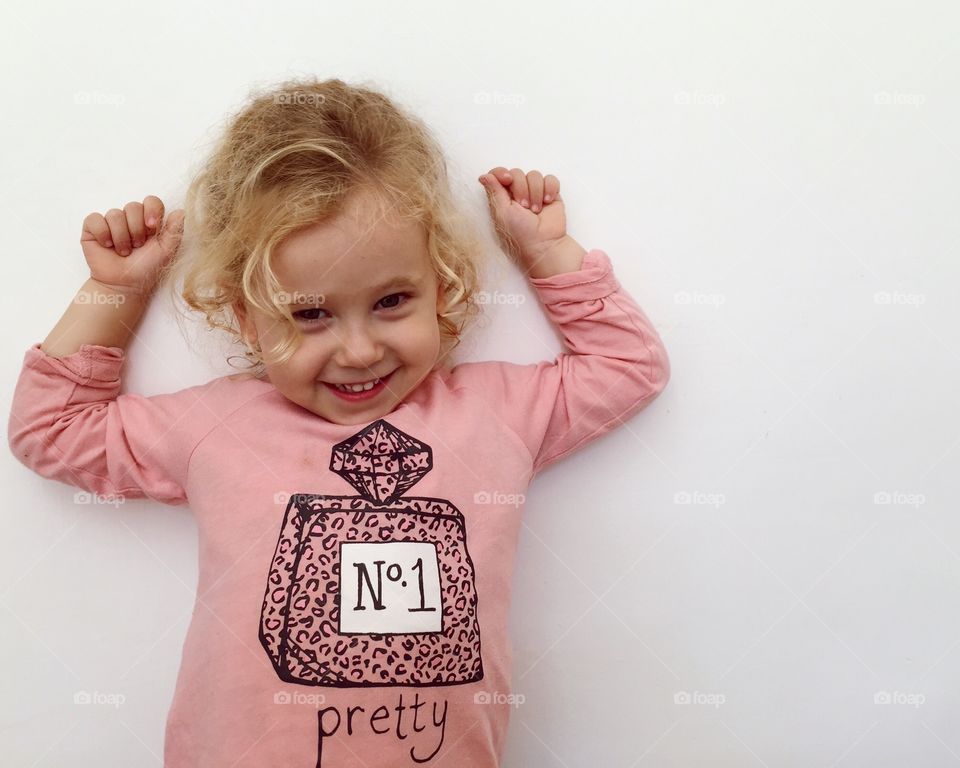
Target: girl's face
{"points": [[365, 297]]}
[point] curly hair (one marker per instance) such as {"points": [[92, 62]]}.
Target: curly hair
{"points": [[290, 159]]}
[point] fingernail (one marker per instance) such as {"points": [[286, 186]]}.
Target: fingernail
{"points": [[536, 208], [547, 198], [525, 203], [124, 252], [151, 221], [109, 244], [137, 243]]}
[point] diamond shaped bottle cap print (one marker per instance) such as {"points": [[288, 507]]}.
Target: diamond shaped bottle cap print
{"points": [[381, 462]]}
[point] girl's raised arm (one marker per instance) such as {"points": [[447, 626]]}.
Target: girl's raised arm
{"points": [[68, 419], [125, 250], [614, 366], [615, 363]]}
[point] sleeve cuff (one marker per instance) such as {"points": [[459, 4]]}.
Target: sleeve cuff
{"points": [[594, 280], [91, 362]]}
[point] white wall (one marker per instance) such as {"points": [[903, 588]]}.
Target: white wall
{"points": [[776, 184]]}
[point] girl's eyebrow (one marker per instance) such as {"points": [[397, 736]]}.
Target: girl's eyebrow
{"points": [[394, 282], [398, 281]]}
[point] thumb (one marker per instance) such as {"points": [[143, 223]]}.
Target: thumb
{"points": [[496, 194], [172, 233]]}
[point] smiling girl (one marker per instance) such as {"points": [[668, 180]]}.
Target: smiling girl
{"points": [[341, 619]]}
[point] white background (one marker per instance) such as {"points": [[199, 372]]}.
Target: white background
{"points": [[776, 184]]}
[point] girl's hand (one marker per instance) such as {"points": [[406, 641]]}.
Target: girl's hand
{"points": [[527, 211], [126, 249]]}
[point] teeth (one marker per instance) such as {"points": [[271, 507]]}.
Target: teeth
{"points": [[358, 387]]}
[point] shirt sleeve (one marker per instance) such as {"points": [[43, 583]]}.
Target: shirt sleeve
{"points": [[615, 366], [69, 422]]}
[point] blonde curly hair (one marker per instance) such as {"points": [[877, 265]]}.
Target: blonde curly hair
{"points": [[291, 158]]}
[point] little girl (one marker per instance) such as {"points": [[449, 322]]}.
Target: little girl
{"points": [[358, 497]]}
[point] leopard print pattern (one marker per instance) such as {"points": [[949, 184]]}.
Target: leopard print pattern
{"points": [[300, 611]]}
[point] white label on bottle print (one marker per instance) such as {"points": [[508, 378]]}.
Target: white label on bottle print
{"points": [[390, 587]]}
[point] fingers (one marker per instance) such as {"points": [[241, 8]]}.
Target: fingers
{"points": [[532, 190], [519, 188], [126, 229], [496, 192], [535, 189], [117, 221], [152, 213], [551, 188], [96, 227], [503, 175], [135, 225]]}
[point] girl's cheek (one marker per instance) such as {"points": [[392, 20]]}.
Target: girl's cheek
{"points": [[419, 334], [311, 355]]}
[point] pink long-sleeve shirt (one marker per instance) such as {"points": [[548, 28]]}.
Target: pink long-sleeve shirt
{"points": [[355, 581]]}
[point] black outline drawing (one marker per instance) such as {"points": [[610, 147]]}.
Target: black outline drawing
{"points": [[299, 620]]}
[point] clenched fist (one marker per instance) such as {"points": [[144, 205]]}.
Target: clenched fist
{"points": [[529, 217], [127, 249]]}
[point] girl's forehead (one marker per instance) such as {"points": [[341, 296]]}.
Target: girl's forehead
{"points": [[364, 243], [362, 225], [353, 251], [342, 267]]}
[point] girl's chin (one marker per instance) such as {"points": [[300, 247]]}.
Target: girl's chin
{"points": [[349, 411], [353, 416]]}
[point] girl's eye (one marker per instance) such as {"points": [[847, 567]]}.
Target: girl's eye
{"points": [[398, 296], [393, 301], [310, 315]]}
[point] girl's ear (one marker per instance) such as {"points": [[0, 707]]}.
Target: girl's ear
{"points": [[247, 328], [441, 300]]}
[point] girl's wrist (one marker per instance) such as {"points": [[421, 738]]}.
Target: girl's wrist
{"points": [[562, 255], [129, 293], [99, 314]]}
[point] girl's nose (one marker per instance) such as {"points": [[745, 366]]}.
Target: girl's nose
{"points": [[357, 348]]}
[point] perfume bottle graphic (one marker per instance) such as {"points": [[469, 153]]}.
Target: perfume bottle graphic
{"points": [[374, 589]]}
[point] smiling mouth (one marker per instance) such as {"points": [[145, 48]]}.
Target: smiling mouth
{"points": [[368, 385], [360, 389]]}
